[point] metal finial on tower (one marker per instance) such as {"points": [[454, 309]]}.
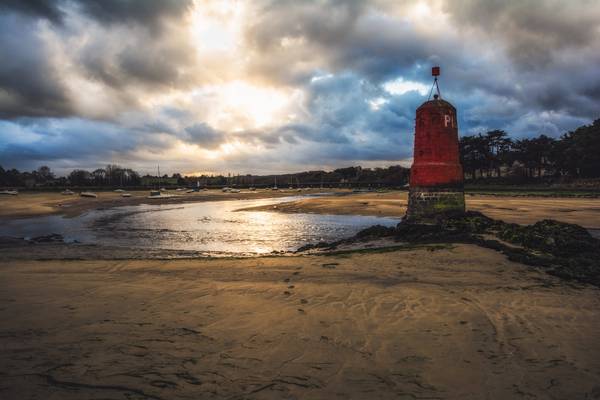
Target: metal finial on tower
{"points": [[435, 72]]}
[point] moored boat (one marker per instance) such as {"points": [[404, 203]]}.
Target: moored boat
{"points": [[156, 194]]}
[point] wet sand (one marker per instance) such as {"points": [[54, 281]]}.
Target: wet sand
{"points": [[455, 323], [520, 210]]}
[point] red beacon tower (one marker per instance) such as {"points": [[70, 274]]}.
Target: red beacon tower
{"points": [[436, 176]]}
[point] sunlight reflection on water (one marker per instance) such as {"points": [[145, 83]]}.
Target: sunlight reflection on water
{"points": [[207, 226]]}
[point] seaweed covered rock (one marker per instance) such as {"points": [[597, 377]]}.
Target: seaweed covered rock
{"points": [[428, 233], [445, 227], [564, 250], [561, 249], [313, 246], [557, 238], [376, 231], [469, 222]]}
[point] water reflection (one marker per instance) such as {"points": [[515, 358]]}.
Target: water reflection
{"points": [[212, 227]]}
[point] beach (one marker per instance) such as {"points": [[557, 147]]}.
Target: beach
{"points": [[453, 322], [388, 321]]}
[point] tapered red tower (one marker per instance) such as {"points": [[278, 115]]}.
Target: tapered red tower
{"points": [[436, 176]]}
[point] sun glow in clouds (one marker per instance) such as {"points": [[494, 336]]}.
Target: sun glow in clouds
{"points": [[261, 105], [420, 11], [216, 26], [239, 105]]}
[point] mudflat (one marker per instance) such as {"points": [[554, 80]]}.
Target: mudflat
{"points": [[32, 204], [436, 322]]}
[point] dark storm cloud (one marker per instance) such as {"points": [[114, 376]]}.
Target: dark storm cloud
{"points": [[64, 139], [145, 12], [48, 9], [533, 31], [139, 50], [30, 85], [127, 55], [139, 61]]}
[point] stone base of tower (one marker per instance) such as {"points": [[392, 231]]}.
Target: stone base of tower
{"points": [[425, 202]]}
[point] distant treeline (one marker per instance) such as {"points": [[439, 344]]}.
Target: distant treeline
{"points": [[117, 176], [395, 175], [575, 154], [112, 175], [491, 156]]}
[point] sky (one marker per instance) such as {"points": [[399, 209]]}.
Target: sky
{"points": [[280, 86]]}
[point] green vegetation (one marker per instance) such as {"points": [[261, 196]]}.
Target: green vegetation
{"points": [[575, 154]]}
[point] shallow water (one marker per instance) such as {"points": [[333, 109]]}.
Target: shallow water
{"points": [[212, 227]]}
